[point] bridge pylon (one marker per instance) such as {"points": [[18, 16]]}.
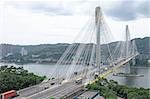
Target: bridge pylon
{"points": [[98, 17], [127, 41]]}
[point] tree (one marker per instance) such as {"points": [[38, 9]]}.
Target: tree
{"points": [[111, 89], [12, 78]]}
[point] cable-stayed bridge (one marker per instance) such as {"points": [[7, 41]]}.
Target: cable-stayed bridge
{"points": [[91, 56]]}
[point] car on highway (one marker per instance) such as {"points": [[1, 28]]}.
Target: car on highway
{"points": [[52, 83], [105, 68], [75, 73], [96, 75]]}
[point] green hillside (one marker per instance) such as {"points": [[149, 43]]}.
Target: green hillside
{"points": [[50, 53]]}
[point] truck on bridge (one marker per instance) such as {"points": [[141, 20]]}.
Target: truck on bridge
{"points": [[79, 81]]}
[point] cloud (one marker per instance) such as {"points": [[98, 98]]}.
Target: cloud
{"points": [[119, 10], [49, 8], [128, 10], [42, 22], [67, 8]]}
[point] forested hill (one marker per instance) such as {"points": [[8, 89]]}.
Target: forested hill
{"points": [[143, 47], [42, 49], [12, 53]]}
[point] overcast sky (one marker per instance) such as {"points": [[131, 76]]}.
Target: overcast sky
{"points": [[39, 22]]}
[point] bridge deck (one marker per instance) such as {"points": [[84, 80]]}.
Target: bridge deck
{"points": [[63, 90], [110, 70]]}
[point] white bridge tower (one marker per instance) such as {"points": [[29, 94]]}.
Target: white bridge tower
{"points": [[98, 16]]}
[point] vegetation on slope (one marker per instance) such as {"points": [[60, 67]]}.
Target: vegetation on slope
{"points": [[13, 78], [11, 53], [111, 90]]}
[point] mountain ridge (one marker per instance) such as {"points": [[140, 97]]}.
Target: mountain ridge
{"points": [[54, 51]]}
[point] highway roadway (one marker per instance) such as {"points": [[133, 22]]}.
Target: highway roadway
{"points": [[46, 90], [24, 93], [60, 91]]}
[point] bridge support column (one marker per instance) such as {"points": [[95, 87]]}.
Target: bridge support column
{"points": [[127, 68], [133, 61]]}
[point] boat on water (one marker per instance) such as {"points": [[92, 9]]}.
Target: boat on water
{"points": [[127, 75]]}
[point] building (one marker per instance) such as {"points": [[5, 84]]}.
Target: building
{"points": [[89, 95], [23, 52], [9, 54], [35, 56]]}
